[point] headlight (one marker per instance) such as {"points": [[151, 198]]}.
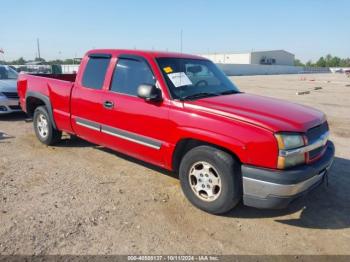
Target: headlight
{"points": [[287, 142]]}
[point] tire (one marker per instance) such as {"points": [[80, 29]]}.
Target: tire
{"points": [[217, 172], [46, 133]]}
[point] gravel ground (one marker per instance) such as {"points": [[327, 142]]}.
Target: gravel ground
{"points": [[79, 198]]}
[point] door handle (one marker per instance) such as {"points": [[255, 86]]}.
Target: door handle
{"points": [[108, 104]]}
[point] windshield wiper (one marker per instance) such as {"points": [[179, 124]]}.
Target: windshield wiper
{"points": [[229, 92], [198, 95]]}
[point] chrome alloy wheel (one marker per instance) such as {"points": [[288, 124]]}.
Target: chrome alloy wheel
{"points": [[205, 181], [42, 126]]}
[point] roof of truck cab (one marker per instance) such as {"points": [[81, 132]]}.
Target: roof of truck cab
{"points": [[143, 53]]}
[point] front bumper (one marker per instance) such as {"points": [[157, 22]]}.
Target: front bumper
{"points": [[9, 105], [272, 188]]}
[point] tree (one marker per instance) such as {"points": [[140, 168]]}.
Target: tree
{"points": [[309, 63], [55, 62], [334, 62], [328, 59], [297, 62], [69, 62], [321, 62], [40, 59], [19, 61], [345, 62]]}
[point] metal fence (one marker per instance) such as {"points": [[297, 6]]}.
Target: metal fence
{"points": [[249, 69]]}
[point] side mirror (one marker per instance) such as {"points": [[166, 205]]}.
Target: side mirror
{"points": [[150, 93]]}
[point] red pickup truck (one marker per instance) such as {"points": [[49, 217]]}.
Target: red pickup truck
{"points": [[180, 112]]}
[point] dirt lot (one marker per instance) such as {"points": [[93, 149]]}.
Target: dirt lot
{"points": [[77, 198]]}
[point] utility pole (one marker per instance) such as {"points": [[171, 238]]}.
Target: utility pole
{"points": [[2, 52], [75, 56], [38, 46]]}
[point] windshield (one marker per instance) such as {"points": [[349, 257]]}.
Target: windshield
{"points": [[194, 78], [7, 72]]}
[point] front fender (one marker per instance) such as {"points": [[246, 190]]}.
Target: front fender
{"points": [[253, 146]]}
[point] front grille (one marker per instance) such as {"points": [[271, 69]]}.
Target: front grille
{"points": [[315, 153], [313, 135], [316, 132], [12, 95]]}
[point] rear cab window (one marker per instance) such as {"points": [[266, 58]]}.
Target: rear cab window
{"points": [[95, 71]]}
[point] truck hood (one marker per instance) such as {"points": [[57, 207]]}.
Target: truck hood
{"points": [[270, 113], [9, 85]]}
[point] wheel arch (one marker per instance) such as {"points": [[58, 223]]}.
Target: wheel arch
{"points": [[34, 100], [186, 144]]}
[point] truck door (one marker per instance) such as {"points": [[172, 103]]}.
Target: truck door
{"points": [[87, 98], [131, 124]]}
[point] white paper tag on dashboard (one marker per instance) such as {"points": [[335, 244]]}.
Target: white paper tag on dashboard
{"points": [[179, 79]]}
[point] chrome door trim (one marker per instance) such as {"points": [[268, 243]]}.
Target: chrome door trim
{"points": [[129, 136], [88, 124], [142, 140]]}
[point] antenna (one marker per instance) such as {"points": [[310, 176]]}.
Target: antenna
{"points": [[38, 46]]}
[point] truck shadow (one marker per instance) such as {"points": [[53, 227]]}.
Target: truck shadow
{"points": [[139, 162], [326, 207], [67, 141], [79, 142], [13, 117]]}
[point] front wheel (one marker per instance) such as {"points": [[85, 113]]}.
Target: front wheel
{"points": [[210, 179], [43, 127]]}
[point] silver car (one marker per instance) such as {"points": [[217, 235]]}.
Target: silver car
{"points": [[8, 90]]}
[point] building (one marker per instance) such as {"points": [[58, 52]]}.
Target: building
{"points": [[273, 57]]}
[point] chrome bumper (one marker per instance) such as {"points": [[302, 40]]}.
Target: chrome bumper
{"points": [[9, 105], [264, 188]]}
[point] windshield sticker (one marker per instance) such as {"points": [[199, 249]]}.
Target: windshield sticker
{"points": [[168, 69], [180, 79]]}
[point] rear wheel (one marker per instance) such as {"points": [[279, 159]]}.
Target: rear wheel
{"points": [[210, 179], [43, 127]]}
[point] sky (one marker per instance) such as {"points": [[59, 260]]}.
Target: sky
{"points": [[307, 28]]}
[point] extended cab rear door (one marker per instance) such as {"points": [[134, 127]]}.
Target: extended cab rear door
{"points": [[88, 97]]}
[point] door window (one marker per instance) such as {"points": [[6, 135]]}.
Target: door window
{"points": [[129, 74]]}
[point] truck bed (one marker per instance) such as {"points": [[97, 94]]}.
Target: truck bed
{"points": [[64, 77], [56, 88]]}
